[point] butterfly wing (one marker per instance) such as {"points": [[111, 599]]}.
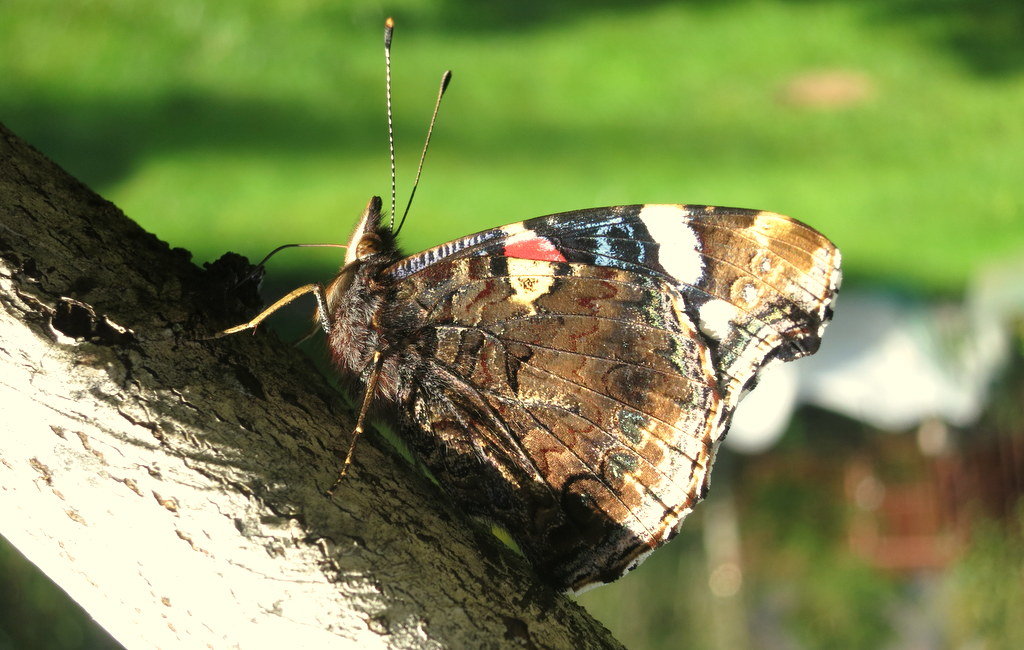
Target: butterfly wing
{"points": [[589, 362]]}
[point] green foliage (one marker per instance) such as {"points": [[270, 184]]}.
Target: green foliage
{"points": [[839, 601], [986, 590], [244, 125], [795, 522]]}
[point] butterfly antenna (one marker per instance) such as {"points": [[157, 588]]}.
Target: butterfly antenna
{"points": [[446, 78], [389, 28], [284, 246], [259, 267]]}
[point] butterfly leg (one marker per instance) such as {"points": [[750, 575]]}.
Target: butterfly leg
{"points": [[321, 310], [371, 387], [320, 317]]}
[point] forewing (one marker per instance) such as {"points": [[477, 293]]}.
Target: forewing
{"points": [[759, 286]]}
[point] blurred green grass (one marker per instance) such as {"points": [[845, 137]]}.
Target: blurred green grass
{"points": [[243, 125]]}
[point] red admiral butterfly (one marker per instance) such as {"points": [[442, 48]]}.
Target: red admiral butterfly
{"points": [[571, 376]]}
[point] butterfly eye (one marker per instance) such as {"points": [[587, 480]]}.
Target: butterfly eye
{"points": [[367, 246]]}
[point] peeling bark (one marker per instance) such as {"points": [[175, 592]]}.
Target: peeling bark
{"points": [[175, 487]]}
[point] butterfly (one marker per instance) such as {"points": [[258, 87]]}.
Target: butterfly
{"points": [[570, 377]]}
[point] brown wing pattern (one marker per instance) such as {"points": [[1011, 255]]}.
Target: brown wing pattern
{"points": [[598, 377], [771, 282], [594, 391]]}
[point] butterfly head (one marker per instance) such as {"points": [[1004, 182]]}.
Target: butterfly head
{"points": [[370, 240], [369, 237]]}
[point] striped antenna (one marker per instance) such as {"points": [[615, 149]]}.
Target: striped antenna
{"points": [[389, 28]]}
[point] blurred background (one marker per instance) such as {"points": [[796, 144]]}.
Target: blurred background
{"points": [[868, 497]]}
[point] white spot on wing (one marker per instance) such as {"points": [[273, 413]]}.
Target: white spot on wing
{"points": [[717, 317], [750, 293], [678, 247], [513, 229], [529, 280]]}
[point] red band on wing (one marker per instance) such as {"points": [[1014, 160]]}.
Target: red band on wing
{"points": [[536, 248]]}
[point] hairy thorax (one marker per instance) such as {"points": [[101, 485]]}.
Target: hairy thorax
{"points": [[356, 304]]}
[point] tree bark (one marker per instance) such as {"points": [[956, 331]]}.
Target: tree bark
{"points": [[176, 487]]}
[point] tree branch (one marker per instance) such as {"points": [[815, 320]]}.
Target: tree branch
{"points": [[175, 487]]}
